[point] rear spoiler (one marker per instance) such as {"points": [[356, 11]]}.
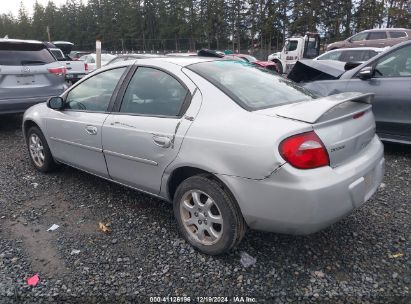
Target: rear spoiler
{"points": [[311, 111]]}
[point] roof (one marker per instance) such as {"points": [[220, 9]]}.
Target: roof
{"points": [[388, 29], [184, 61], [20, 41], [363, 48]]}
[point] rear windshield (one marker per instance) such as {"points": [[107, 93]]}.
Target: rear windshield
{"points": [[24, 54], [58, 54], [253, 88]]}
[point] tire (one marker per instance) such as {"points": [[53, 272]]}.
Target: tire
{"points": [[279, 67], [39, 151], [200, 204]]}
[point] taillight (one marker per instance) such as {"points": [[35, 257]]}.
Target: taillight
{"points": [[57, 71], [86, 67], [304, 151], [358, 115]]}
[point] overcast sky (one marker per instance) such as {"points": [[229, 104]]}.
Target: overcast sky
{"points": [[12, 6]]}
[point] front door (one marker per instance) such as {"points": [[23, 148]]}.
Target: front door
{"points": [[391, 84], [144, 137], [75, 132]]}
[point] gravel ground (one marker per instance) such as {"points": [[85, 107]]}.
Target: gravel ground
{"points": [[364, 258]]}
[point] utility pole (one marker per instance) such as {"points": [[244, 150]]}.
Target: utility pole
{"points": [[98, 52], [48, 32]]}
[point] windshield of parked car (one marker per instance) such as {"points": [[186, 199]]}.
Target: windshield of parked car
{"points": [[251, 87]]}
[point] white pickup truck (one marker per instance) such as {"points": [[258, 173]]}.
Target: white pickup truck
{"points": [[75, 69]]}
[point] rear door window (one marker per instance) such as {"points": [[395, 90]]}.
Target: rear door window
{"points": [[153, 92], [377, 35], [24, 54]]}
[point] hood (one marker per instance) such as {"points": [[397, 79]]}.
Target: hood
{"points": [[311, 70]]}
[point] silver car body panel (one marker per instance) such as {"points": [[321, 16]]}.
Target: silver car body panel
{"points": [[239, 147]]}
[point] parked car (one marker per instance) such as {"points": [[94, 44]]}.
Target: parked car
{"points": [[260, 63], [374, 38], [360, 54], [75, 69], [125, 57], [388, 76], [90, 60], [228, 144], [75, 55], [29, 74]]}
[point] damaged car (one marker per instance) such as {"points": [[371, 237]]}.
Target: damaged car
{"points": [[229, 145], [388, 76]]}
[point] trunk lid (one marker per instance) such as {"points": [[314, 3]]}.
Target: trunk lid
{"points": [[344, 122]]}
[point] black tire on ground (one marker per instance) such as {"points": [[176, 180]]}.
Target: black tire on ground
{"points": [[234, 226], [48, 164]]}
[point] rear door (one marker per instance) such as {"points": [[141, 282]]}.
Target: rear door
{"points": [[28, 70], [377, 39], [146, 133], [391, 84], [75, 133]]}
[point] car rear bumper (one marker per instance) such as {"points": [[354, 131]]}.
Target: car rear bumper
{"points": [[297, 201], [11, 106]]}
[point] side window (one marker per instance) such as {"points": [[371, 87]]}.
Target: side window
{"points": [[330, 56], [291, 45], [397, 34], [377, 35], [395, 64], [348, 56], [94, 94], [153, 92], [359, 37]]}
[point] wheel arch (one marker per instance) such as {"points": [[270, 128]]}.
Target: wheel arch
{"points": [[27, 124], [179, 174]]}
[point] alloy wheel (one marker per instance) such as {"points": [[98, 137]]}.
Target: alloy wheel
{"points": [[36, 150], [201, 217]]}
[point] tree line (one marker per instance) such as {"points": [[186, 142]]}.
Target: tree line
{"points": [[165, 25]]}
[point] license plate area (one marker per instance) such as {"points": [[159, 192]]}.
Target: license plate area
{"points": [[25, 79]]}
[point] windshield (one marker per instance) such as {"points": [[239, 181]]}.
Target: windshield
{"points": [[251, 87], [57, 53]]}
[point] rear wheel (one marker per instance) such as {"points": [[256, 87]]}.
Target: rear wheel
{"points": [[207, 215], [39, 150]]}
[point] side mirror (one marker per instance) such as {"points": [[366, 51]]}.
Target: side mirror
{"points": [[55, 103], [365, 73]]}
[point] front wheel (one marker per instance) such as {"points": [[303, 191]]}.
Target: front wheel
{"points": [[279, 67], [39, 150], [207, 215]]}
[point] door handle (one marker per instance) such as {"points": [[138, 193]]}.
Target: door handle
{"points": [[162, 141], [91, 130]]}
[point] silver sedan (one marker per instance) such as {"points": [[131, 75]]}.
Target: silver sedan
{"points": [[230, 145]]}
